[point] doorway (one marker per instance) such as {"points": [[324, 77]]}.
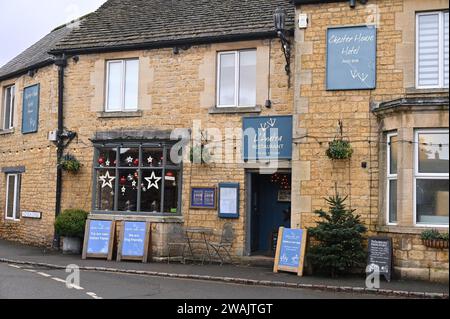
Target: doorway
{"points": [[269, 209]]}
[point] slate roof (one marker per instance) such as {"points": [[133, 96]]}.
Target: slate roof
{"points": [[35, 56], [127, 24]]}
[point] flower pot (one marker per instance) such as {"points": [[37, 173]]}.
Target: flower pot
{"points": [[435, 243], [72, 245]]}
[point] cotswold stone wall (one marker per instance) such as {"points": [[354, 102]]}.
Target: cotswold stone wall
{"points": [[38, 156], [318, 112]]}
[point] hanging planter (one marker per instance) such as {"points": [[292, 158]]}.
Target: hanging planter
{"points": [[434, 239], [69, 163], [200, 154], [339, 149]]}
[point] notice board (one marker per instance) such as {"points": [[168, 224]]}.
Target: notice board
{"points": [[98, 239], [290, 253]]}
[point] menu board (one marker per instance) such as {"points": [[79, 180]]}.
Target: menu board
{"points": [[98, 239], [30, 111], [229, 200], [290, 253], [134, 241], [203, 198], [380, 255]]}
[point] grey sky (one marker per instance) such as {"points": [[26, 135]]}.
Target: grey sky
{"points": [[24, 22]]}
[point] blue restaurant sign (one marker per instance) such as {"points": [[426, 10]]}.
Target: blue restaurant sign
{"points": [[134, 239], [99, 236], [267, 137], [351, 58]]}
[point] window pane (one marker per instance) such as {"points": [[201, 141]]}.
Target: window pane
{"points": [[13, 97], [128, 182], [7, 108], [107, 157], [129, 157], [10, 196], [428, 50], [105, 189], [393, 146], [115, 70], [151, 191], [392, 201], [227, 79], [432, 201], [433, 158], [152, 157], [131, 84], [247, 78], [171, 191], [446, 26]]}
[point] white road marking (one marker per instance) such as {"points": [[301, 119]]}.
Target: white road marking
{"points": [[15, 266], [75, 287], [43, 274], [93, 295], [30, 270], [58, 279]]}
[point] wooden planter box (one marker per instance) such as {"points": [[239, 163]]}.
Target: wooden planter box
{"points": [[435, 243]]}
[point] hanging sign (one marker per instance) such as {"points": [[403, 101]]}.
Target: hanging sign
{"points": [[267, 137], [30, 110], [134, 241], [351, 58], [203, 198], [98, 239], [290, 253], [380, 256]]}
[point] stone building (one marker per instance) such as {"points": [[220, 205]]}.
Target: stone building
{"points": [[200, 73]]}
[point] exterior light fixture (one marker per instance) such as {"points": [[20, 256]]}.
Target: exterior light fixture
{"points": [[280, 26]]}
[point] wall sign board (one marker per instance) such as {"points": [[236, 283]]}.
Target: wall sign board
{"points": [[203, 198], [30, 110], [134, 241], [380, 255], [99, 239], [32, 215], [290, 253], [351, 58], [229, 200], [267, 137]]}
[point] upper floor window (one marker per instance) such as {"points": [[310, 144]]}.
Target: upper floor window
{"points": [[122, 81], [236, 78], [432, 50], [12, 196], [431, 177], [8, 107]]}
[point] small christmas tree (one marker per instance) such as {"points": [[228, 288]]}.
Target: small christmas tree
{"points": [[340, 238]]}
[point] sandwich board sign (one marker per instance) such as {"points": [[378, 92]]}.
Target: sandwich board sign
{"points": [[134, 241], [98, 239], [290, 253], [380, 256]]}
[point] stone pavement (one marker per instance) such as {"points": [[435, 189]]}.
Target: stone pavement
{"points": [[250, 275]]}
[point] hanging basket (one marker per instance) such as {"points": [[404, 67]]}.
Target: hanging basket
{"points": [[339, 149], [435, 243], [69, 163], [200, 154]]}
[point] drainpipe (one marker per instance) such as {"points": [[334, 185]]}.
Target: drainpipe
{"points": [[61, 63]]}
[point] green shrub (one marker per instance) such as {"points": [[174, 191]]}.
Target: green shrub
{"points": [[339, 149], [433, 234], [340, 239], [71, 223], [70, 163]]}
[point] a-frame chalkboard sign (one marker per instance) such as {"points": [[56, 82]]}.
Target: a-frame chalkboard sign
{"points": [[99, 239]]}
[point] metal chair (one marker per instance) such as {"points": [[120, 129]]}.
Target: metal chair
{"points": [[178, 240], [225, 243]]}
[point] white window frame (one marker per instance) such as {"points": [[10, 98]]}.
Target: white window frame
{"points": [[11, 107], [16, 213], [417, 175], [390, 177], [441, 50], [237, 54], [123, 85]]}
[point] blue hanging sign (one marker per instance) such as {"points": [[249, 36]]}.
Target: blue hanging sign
{"points": [[267, 137], [290, 253], [134, 237], [351, 58], [30, 109]]}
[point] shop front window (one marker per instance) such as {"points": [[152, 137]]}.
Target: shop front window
{"points": [[136, 179]]}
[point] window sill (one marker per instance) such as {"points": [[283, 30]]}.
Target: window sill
{"points": [[108, 115], [234, 110], [416, 91], [6, 132], [412, 230]]}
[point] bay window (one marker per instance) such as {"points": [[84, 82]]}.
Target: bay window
{"points": [[391, 185], [132, 178], [431, 178], [236, 78], [122, 82]]}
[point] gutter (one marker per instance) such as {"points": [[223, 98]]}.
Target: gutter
{"points": [[23, 71]]}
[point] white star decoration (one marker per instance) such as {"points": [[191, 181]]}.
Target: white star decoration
{"points": [[107, 163], [150, 159], [133, 184], [150, 179], [129, 159], [123, 189], [107, 180]]}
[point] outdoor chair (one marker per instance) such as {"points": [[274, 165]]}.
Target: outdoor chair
{"points": [[223, 247], [179, 242]]}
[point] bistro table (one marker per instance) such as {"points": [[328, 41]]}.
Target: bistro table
{"points": [[202, 234]]}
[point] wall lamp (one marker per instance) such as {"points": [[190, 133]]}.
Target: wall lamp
{"points": [[280, 27]]}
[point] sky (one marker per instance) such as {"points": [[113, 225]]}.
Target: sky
{"points": [[24, 22]]}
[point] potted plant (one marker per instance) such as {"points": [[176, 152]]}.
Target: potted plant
{"points": [[70, 163], [339, 149], [70, 224], [434, 239], [200, 154]]}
